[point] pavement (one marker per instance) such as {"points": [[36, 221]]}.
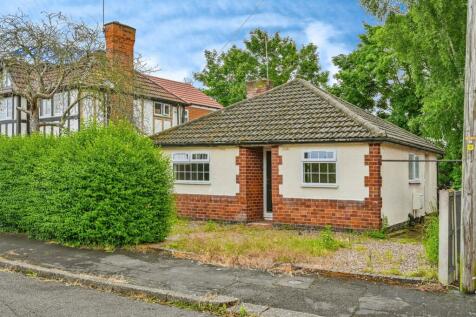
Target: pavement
{"points": [[24, 296], [308, 294]]}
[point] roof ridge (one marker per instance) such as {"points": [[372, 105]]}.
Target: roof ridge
{"points": [[336, 102]]}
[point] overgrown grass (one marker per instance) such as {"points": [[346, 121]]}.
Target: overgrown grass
{"points": [[430, 238], [245, 245]]}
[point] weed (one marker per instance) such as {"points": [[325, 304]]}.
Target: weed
{"points": [[430, 238]]}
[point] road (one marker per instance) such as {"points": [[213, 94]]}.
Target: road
{"points": [[25, 296]]}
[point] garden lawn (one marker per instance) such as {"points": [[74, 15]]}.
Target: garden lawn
{"points": [[268, 248]]}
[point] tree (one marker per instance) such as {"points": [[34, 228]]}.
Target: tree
{"points": [[426, 39], [57, 54], [225, 74], [373, 78]]}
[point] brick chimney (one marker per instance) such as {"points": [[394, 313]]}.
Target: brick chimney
{"points": [[257, 87], [120, 40]]}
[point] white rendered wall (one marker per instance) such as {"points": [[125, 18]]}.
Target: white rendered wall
{"points": [[350, 169], [223, 171], [398, 191]]}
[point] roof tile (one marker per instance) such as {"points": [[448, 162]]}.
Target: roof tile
{"points": [[295, 112]]}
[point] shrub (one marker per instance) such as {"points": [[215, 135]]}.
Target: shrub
{"points": [[430, 238], [100, 186]]}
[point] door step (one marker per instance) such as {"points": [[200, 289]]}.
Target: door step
{"points": [[261, 224]]}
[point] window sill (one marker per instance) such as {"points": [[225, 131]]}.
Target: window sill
{"points": [[414, 181], [320, 185], [192, 183]]}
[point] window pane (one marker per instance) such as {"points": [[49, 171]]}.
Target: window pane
{"points": [[307, 167], [324, 178], [323, 167], [332, 167], [307, 178], [314, 167], [315, 178], [332, 178]]}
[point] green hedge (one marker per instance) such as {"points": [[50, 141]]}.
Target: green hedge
{"points": [[100, 186]]}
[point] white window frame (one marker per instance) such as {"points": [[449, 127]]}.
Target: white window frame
{"points": [[7, 108], [319, 160], [186, 116], [6, 79], [63, 96], [413, 166], [162, 108], [189, 159], [42, 106]]}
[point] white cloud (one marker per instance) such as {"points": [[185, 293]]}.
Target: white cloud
{"points": [[326, 37]]}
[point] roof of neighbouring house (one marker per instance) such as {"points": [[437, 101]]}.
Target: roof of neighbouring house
{"points": [[295, 112], [145, 85], [186, 92]]}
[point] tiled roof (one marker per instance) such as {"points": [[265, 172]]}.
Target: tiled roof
{"points": [[144, 86], [296, 112], [186, 92]]}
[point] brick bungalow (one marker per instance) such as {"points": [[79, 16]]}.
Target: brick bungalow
{"points": [[298, 155]]}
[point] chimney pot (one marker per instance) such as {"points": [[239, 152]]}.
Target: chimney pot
{"points": [[257, 87]]}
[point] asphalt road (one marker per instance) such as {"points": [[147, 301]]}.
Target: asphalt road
{"points": [[25, 296]]}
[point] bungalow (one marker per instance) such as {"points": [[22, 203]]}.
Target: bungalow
{"points": [[158, 103], [298, 155]]}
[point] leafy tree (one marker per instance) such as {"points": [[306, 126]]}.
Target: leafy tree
{"points": [[373, 78], [225, 74], [426, 40]]}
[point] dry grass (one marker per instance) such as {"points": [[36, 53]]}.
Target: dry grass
{"points": [[241, 245], [267, 248]]}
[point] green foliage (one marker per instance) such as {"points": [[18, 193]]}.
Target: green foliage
{"points": [[379, 234], [412, 67], [327, 239], [100, 186], [430, 238], [225, 74]]}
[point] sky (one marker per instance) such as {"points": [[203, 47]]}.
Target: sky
{"points": [[173, 34]]}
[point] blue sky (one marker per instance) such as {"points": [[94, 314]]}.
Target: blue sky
{"points": [[172, 34]]}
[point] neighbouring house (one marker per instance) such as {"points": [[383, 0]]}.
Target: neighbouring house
{"points": [[299, 155], [158, 103]]}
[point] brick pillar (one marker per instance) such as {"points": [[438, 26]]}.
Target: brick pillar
{"points": [[374, 182], [276, 178], [250, 179]]}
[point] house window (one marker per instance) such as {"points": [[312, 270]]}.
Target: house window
{"points": [[319, 168], [161, 109], [191, 167], [6, 80], [185, 116], [45, 108], [6, 108], [413, 167], [60, 103]]}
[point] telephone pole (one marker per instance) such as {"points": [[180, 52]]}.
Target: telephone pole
{"points": [[468, 256]]}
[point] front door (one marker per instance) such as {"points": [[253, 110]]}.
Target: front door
{"points": [[267, 179]]}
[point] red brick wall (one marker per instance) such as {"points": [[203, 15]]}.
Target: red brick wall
{"points": [[195, 113], [337, 213], [250, 162], [247, 205]]}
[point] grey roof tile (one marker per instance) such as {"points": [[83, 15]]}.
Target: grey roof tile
{"points": [[295, 112]]}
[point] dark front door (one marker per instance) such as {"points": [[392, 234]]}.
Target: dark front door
{"points": [[269, 196]]}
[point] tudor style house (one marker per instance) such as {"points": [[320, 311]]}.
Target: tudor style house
{"points": [[158, 103], [299, 155]]}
